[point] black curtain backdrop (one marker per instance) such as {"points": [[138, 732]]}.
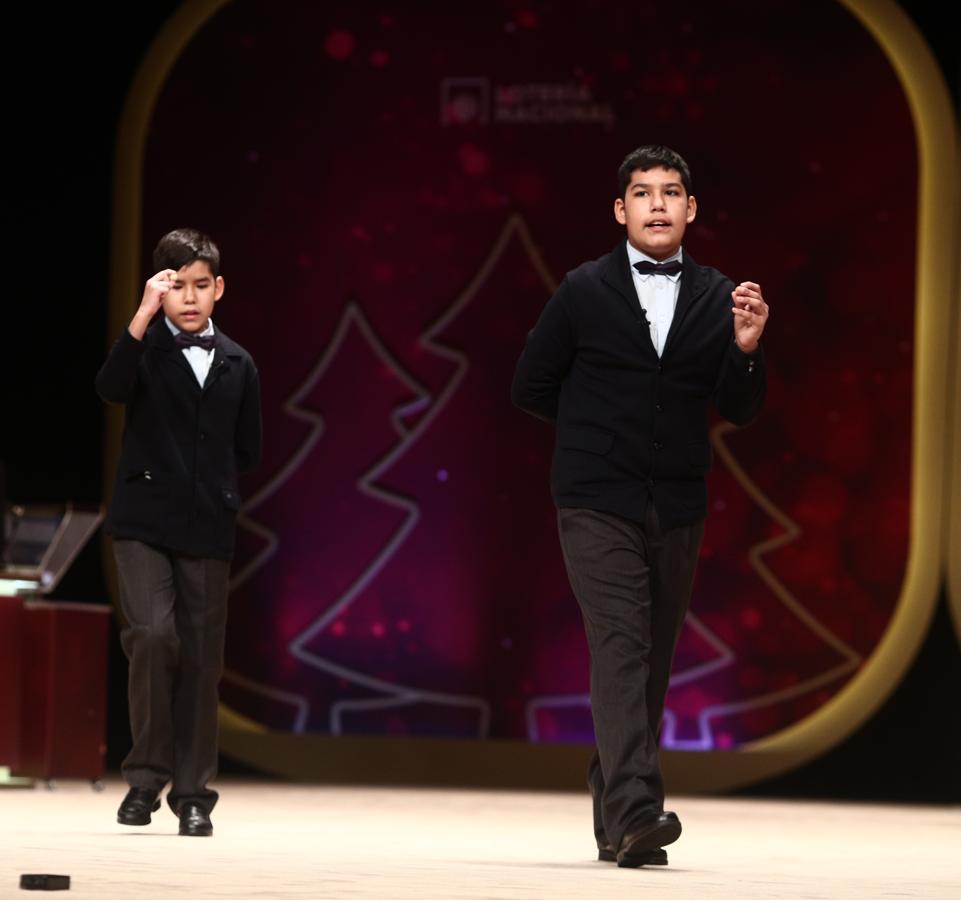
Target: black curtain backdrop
{"points": [[66, 88]]}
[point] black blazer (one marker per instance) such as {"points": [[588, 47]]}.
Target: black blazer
{"points": [[183, 446], [630, 425]]}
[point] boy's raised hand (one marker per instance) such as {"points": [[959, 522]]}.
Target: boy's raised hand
{"points": [[750, 315], [154, 292]]}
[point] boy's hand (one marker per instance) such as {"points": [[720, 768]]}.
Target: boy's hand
{"points": [[750, 315], [154, 292]]}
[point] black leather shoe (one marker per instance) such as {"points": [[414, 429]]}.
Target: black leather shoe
{"points": [[137, 806], [647, 835], [656, 857], [195, 821]]}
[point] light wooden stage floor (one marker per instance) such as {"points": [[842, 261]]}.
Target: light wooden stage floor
{"points": [[278, 840]]}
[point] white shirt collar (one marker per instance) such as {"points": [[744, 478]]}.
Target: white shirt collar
{"points": [[175, 330], [634, 255]]}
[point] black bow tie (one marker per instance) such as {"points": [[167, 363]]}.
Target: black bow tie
{"points": [[649, 268], [183, 339]]}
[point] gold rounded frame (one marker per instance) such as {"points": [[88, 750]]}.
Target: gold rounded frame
{"points": [[952, 529], [935, 525]]}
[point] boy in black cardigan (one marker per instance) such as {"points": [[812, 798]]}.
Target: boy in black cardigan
{"points": [[626, 360], [192, 423]]}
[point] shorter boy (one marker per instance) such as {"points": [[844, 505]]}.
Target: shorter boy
{"points": [[192, 423]]}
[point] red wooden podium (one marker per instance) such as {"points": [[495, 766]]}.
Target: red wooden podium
{"points": [[53, 655], [11, 639], [64, 690]]}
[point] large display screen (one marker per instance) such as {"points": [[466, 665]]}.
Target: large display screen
{"points": [[396, 190]]}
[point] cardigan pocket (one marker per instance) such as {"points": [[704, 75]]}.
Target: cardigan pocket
{"points": [[591, 440], [140, 498]]}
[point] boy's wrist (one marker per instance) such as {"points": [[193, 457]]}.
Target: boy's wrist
{"points": [[138, 324]]}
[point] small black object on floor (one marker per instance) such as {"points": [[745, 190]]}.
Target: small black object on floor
{"points": [[45, 882]]}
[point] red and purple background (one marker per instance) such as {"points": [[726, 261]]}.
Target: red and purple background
{"points": [[394, 188]]}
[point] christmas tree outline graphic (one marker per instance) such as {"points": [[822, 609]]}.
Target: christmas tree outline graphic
{"points": [[396, 694], [393, 694], [791, 532], [725, 655]]}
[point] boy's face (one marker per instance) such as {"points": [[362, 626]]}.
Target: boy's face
{"points": [[189, 303], [656, 210]]}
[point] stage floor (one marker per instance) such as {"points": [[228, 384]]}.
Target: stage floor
{"points": [[279, 840]]}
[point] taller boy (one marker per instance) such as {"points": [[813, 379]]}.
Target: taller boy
{"points": [[626, 358], [192, 423]]}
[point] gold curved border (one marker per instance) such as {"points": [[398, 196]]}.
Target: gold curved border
{"points": [[937, 136], [952, 530], [931, 533], [125, 247]]}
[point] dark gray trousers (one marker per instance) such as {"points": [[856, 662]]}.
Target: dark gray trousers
{"points": [[176, 615], [633, 584]]}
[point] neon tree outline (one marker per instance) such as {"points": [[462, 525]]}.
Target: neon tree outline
{"points": [[397, 695], [791, 532], [404, 695]]}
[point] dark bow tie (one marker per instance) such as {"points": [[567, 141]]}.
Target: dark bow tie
{"points": [[183, 339], [649, 268]]}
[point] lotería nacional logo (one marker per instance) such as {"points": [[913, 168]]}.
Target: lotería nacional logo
{"points": [[475, 101]]}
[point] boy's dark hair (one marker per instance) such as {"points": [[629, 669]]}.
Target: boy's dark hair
{"points": [[183, 246], [652, 156]]}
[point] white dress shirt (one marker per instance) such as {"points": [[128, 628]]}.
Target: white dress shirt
{"points": [[657, 293], [198, 358]]}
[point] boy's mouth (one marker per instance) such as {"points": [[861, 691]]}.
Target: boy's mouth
{"points": [[659, 224]]}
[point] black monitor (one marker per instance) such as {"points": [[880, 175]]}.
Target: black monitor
{"points": [[42, 542]]}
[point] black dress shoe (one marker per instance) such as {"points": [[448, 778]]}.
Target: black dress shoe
{"points": [[656, 857], [137, 806], [195, 821], [646, 835]]}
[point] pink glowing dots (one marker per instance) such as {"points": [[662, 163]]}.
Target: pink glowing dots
{"points": [[339, 44]]}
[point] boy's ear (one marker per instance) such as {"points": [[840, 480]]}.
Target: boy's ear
{"points": [[619, 212], [691, 208], [218, 287]]}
